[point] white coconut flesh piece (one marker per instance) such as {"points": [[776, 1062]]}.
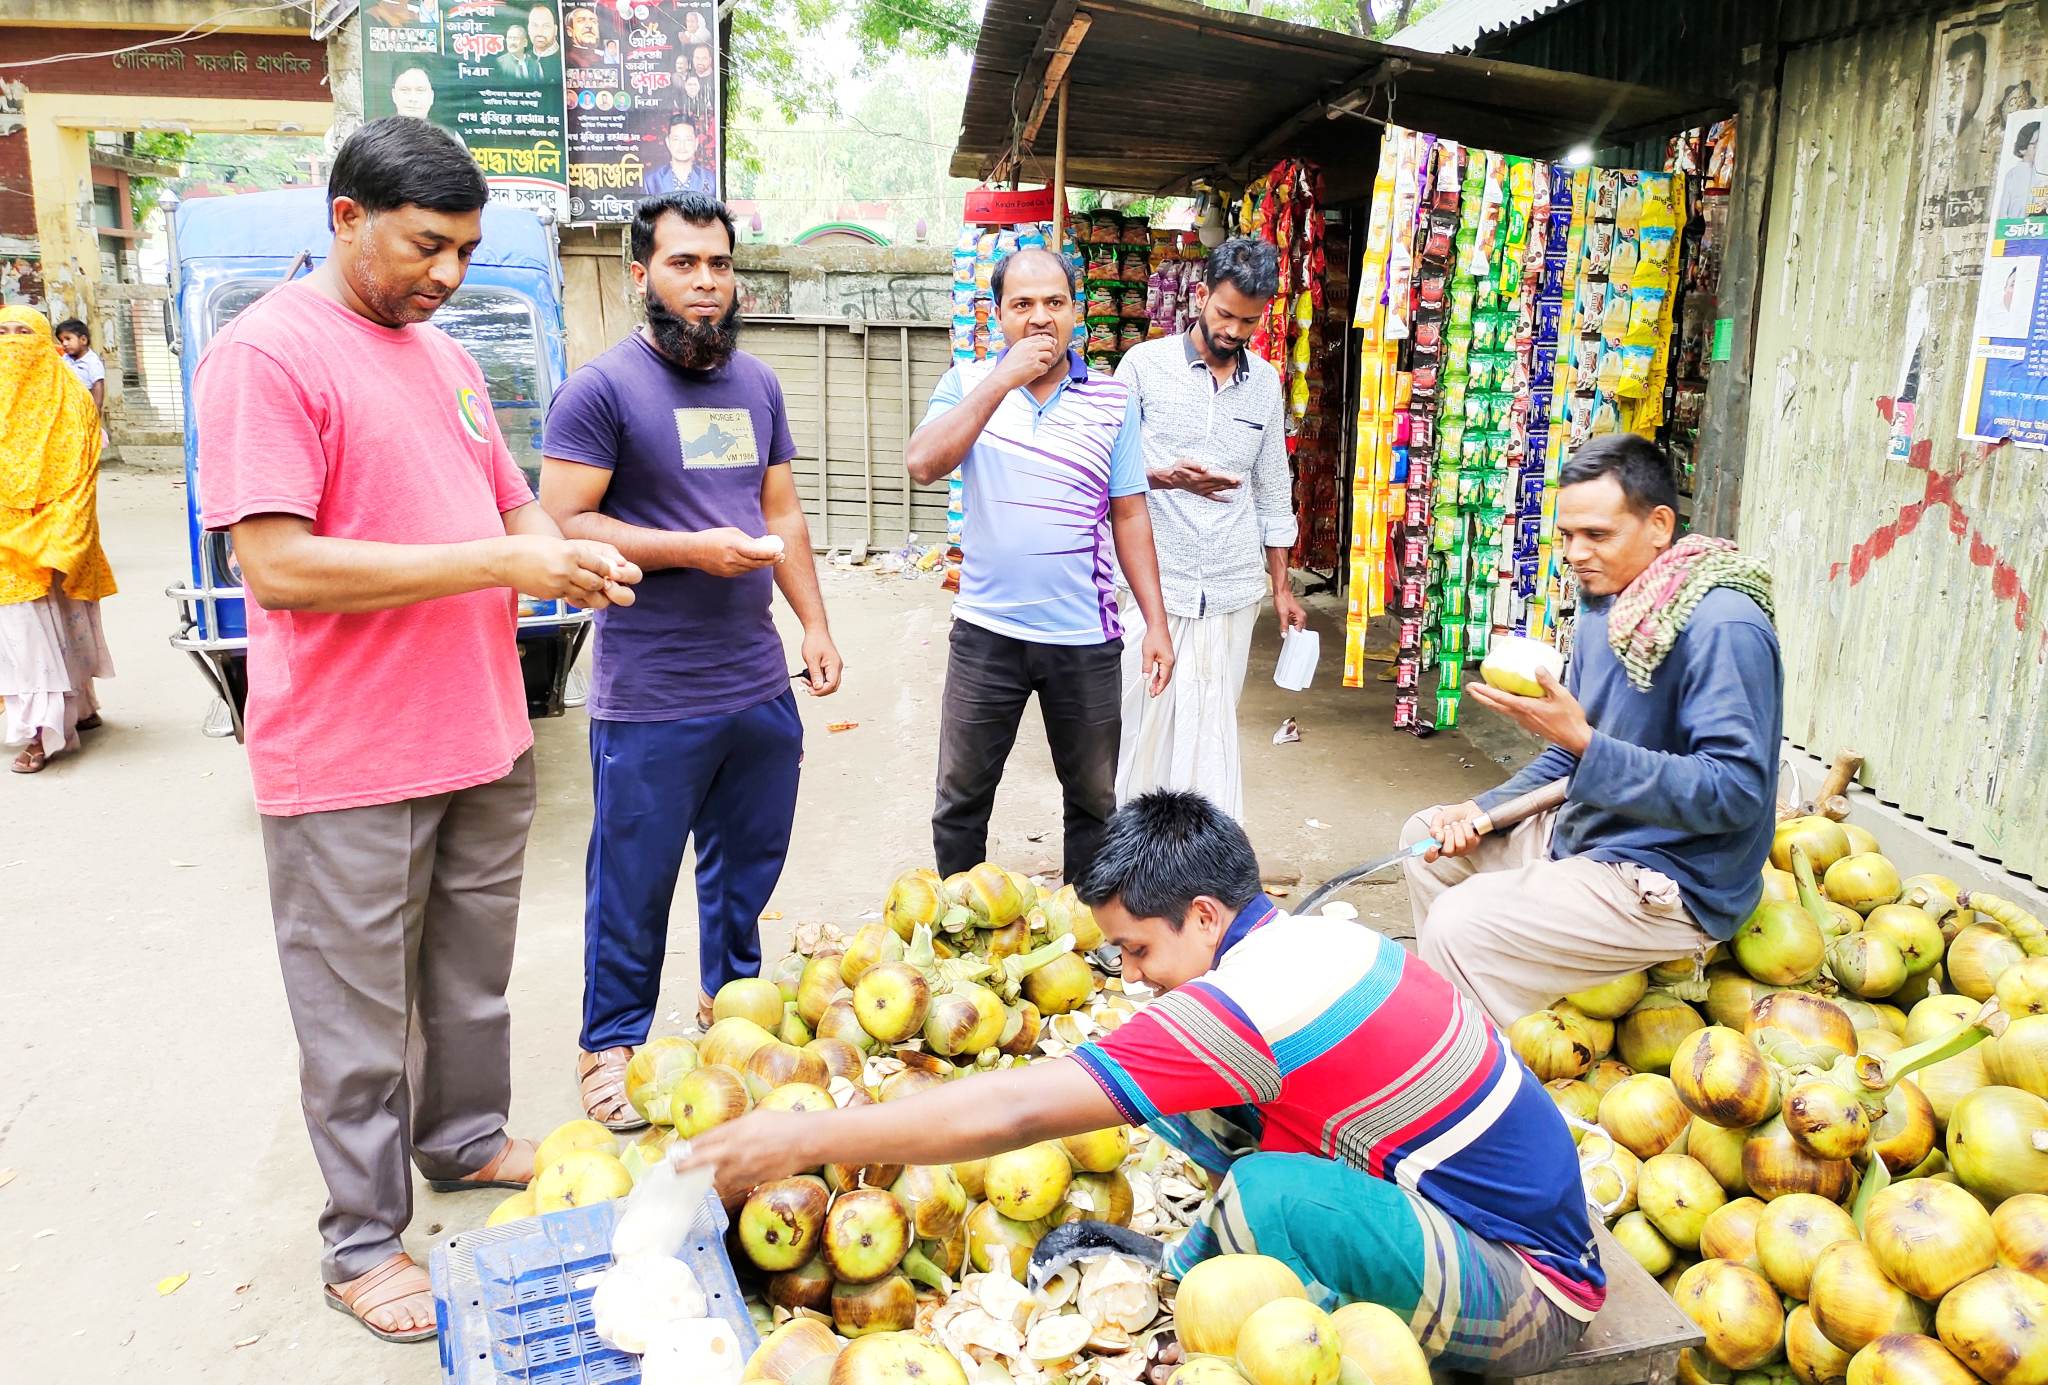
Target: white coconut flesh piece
{"points": [[638, 1299], [700, 1352]]}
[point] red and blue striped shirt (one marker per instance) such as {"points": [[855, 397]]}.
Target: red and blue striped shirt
{"points": [[1348, 1047]]}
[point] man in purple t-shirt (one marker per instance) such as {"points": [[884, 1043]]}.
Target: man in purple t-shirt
{"points": [[674, 447]]}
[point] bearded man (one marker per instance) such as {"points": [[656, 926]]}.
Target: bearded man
{"points": [[675, 445]]}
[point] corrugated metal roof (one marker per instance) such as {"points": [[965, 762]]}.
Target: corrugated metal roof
{"points": [[1163, 91], [1455, 25], [1695, 42]]}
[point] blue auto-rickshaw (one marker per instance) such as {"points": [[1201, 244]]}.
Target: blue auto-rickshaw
{"points": [[226, 252]]}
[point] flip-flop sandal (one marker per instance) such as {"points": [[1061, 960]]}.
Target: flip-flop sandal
{"points": [[485, 1177], [91, 723], [380, 1288], [31, 761], [601, 1078]]}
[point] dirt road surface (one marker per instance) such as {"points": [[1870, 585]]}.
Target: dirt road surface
{"points": [[149, 1118]]}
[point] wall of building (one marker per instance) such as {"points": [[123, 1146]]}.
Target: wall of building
{"points": [[1911, 567], [1913, 579], [17, 201], [851, 283], [224, 81]]}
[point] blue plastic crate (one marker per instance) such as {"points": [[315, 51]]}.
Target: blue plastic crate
{"points": [[508, 1309]]}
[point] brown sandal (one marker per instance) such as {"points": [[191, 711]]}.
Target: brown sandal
{"points": [[601, 1077], [393, 1282], [487, 1176], [32, 760]]}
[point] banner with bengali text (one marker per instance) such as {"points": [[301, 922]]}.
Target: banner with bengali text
{"points": [[491, 74], [641, 85]]}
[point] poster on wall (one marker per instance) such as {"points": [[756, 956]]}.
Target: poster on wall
{"points": [[1986, 63], [642, 88], [2005, 394], [488, 73]]}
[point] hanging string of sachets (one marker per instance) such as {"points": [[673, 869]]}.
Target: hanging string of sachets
{"points": [[1509, 309]]}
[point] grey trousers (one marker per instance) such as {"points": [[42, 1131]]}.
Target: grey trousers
{"points": [[1516, 930], [395, 925]]}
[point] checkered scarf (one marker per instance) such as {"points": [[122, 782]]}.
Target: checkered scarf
{"points": [[1649, 616]]}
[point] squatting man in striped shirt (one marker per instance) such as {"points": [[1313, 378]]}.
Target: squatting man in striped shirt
{"points": [[1214, 424], [1360, 1119], [1049, 457]]}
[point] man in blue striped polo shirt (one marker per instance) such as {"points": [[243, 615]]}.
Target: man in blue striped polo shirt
{"points": [[1054, 474]]}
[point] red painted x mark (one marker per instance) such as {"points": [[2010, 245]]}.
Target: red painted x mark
{"points": [[1939, 491]]}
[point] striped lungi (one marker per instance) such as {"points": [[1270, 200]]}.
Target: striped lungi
{"points": [[1474, 1304]]}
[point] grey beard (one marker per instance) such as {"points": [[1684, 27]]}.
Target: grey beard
{"points": [[692, 345]]}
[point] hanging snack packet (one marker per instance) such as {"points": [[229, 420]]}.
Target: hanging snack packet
{"points": [[1440, 237], [1628, 199], [1444, 486], [1443, 531], [1636, 364], [1520, 196], [1614, 321], [1647, 305], [1599, 249], [1622, 263], [1592, 300], [1606, 190]]}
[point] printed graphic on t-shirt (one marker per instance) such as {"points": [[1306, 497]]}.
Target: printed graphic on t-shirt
{"points": [[717, 439], [469, 408]]}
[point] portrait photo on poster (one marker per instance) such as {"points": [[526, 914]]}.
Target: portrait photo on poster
{"points": [[643, 104], [2005, 389], [488, 73], [2005, 305]]}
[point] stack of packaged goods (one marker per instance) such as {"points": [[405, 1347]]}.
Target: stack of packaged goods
{"points": [[1706, 158], [1177, 266], [1285, 208], [1510, 310], [1119, 265], [1318, 486]]}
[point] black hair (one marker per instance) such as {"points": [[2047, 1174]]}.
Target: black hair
{"points": [[1251, 265], [693, 207], [1637, 465], [2029, 132], [401, 161], [1964, 44], [995, 281], [73, 327], [1163, 850], [683, 118]]}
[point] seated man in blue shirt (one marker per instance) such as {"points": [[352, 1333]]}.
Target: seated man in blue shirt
{"points": [[1667, 725]]}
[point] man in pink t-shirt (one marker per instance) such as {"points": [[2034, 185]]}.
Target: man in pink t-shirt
{"points": [[382, 531]]}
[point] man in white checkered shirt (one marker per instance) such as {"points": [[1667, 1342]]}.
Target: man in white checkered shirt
{"points": [[1213, 420]]}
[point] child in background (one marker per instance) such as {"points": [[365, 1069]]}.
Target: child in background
{"points": [[75, 339]]}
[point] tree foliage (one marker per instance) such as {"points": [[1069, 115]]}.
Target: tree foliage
{"points": [[768, 40]]}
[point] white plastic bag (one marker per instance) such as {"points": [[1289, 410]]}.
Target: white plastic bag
{"points": [[661, 1211], [1299, 650]]}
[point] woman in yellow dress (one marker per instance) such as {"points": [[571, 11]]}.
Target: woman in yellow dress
{"points": [[53, 573]]}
